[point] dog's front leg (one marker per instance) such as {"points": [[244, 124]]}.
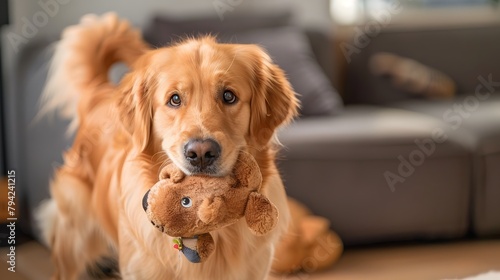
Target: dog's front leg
{"points": [[143, 250]]}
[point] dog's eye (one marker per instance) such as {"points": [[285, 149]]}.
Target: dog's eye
{"points": [[175, 101], [229, 97], [186, 202]]}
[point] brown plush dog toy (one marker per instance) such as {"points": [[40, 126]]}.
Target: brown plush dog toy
{"points": [[189, 207]]}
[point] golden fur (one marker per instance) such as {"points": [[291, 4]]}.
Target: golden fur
{"points": [[126, 132]]}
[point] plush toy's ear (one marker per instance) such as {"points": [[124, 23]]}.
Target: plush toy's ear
{"points": [[273, 101], [135, 108], [247, 171], [212, 209], [261, 215]]}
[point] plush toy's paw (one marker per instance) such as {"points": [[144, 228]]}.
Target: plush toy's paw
{"points": [[196, 249], [172, 172], [206, 246], [261, 215]]}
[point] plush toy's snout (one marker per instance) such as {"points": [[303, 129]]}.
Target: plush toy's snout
{"points": [[211, 210]]}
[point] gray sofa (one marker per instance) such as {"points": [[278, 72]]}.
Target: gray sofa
{"points": [[376, 169], [406, 168]]}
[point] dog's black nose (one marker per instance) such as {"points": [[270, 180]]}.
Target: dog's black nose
{"points": [[201, 153], [145, 201]]}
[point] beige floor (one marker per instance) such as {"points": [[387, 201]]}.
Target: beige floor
{"points": [[422, 262], [417, 262]]}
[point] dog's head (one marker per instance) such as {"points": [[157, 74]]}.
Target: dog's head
{"points": [[202, 103]]}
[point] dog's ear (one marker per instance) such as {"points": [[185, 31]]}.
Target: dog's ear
{"points": [[273, 101], [135, 108]]}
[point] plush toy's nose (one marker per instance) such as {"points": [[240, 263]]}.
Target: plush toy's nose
{"points": [[145, 201]]}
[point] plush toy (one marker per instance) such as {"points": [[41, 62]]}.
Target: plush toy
{"points": [[412, 76], [189, 207], [308, 245]]}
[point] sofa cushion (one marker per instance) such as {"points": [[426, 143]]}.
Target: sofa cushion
{"points": [[479, 121], [287, 45], [380, 174]]}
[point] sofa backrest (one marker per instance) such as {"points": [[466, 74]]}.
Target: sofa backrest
{"points": [[463, 53]]}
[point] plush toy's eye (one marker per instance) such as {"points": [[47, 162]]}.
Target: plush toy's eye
{"points": [[186, 202]]}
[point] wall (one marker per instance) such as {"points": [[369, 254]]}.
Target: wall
{"points": [[139, 12]]}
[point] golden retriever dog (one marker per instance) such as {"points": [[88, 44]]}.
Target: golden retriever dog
{"points": [[197, 104]]}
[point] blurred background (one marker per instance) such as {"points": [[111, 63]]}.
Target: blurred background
{"points": [[397, 145]]}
